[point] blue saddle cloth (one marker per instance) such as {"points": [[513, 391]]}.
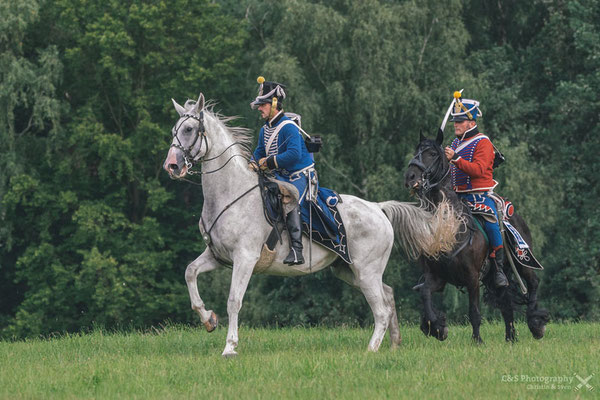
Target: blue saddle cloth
{"points": [[327, 225]]}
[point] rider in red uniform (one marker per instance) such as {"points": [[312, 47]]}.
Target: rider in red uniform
{"points": [[471, 156]]}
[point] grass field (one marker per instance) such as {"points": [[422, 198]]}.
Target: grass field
{"points": [[183, 362]]}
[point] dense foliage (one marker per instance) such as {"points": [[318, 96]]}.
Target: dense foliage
{"points": [[92, 231]]}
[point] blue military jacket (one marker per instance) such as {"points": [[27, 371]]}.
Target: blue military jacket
{"points": [[287, 152]]}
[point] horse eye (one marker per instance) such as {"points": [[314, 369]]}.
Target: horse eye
{"points": [[188, 129], [432, 153]]}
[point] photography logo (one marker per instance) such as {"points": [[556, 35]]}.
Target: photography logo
{"points": [[584, 382]]}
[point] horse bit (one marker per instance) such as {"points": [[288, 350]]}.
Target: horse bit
{"points": [[427, 171], [426, 176], [191, 160]]}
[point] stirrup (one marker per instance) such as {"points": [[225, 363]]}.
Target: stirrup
{"points": [[293, 258], [500, 279]]}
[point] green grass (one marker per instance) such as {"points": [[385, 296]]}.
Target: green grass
{"points": [[183, 362]]}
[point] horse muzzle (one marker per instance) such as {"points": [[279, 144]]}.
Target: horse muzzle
{"points": [[175, 172], [411, 180], [175, 165]]}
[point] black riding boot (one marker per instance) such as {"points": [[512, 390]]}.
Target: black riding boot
{"points": [[500, 279], [294, 227]]}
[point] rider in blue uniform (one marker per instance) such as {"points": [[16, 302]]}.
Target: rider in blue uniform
{"points": [[282, 150]]}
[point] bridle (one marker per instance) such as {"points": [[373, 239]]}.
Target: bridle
{"points": [[435, 173], [191, 160], [431, 177]]}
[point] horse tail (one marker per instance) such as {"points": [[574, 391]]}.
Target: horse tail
{"points": [[422, 232]]}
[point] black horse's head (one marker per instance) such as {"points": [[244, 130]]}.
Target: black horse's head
{"points": [[536, 321], [429, 167]]}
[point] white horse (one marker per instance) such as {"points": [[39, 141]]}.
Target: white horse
{"points": [[233, 223]]}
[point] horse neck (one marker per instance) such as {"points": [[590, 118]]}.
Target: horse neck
{"points": [[445, 191], [232, 176]]}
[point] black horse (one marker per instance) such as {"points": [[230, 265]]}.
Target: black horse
{"points": [[428, 176]]}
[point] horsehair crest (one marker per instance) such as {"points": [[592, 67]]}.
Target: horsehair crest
{"points": [[421, 232]]}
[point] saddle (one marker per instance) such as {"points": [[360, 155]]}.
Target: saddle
{"points": [[278, 198]]}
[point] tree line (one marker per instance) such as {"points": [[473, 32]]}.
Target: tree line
{"points": [[92, 231]]}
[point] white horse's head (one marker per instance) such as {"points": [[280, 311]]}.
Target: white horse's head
{"points": [[190, 142]]}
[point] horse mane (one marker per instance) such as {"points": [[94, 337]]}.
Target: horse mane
{"points": [[240, 134], [445, 187]]}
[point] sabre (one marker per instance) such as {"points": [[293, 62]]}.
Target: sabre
{"points": [[310, 237], [309, 222], [513, 266]]}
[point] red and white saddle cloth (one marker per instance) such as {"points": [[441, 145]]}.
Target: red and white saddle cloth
{"points": [[513, 241]]}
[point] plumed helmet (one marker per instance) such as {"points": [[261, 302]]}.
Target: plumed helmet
{"points": [[464, 109], [267, 91]]}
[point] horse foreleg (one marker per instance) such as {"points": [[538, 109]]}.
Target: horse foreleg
{"points": [[204, 263], [474, 314], [432, 323], [239, 282]]}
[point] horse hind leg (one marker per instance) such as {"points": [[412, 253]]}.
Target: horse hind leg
{"points": [[536, 318], [474, 313], [395, 337], [507, 311], [204, 263], [372, 288], [344, 273]]}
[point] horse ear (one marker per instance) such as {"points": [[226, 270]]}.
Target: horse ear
{"points": [[199, 106], [421, 137], [180, 110], [440, 137]]}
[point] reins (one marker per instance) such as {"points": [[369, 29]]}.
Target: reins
{"points": [[430, 181], [429, 172], [207, 238], [187, 151], [191, 160]]}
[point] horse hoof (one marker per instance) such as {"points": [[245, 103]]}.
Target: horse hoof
{"points": [[212, 323], [511, 339], [443, 334], [477, 340], [229, 354]]}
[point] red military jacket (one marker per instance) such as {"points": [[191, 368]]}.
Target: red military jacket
{"points": [[472, 166]]}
